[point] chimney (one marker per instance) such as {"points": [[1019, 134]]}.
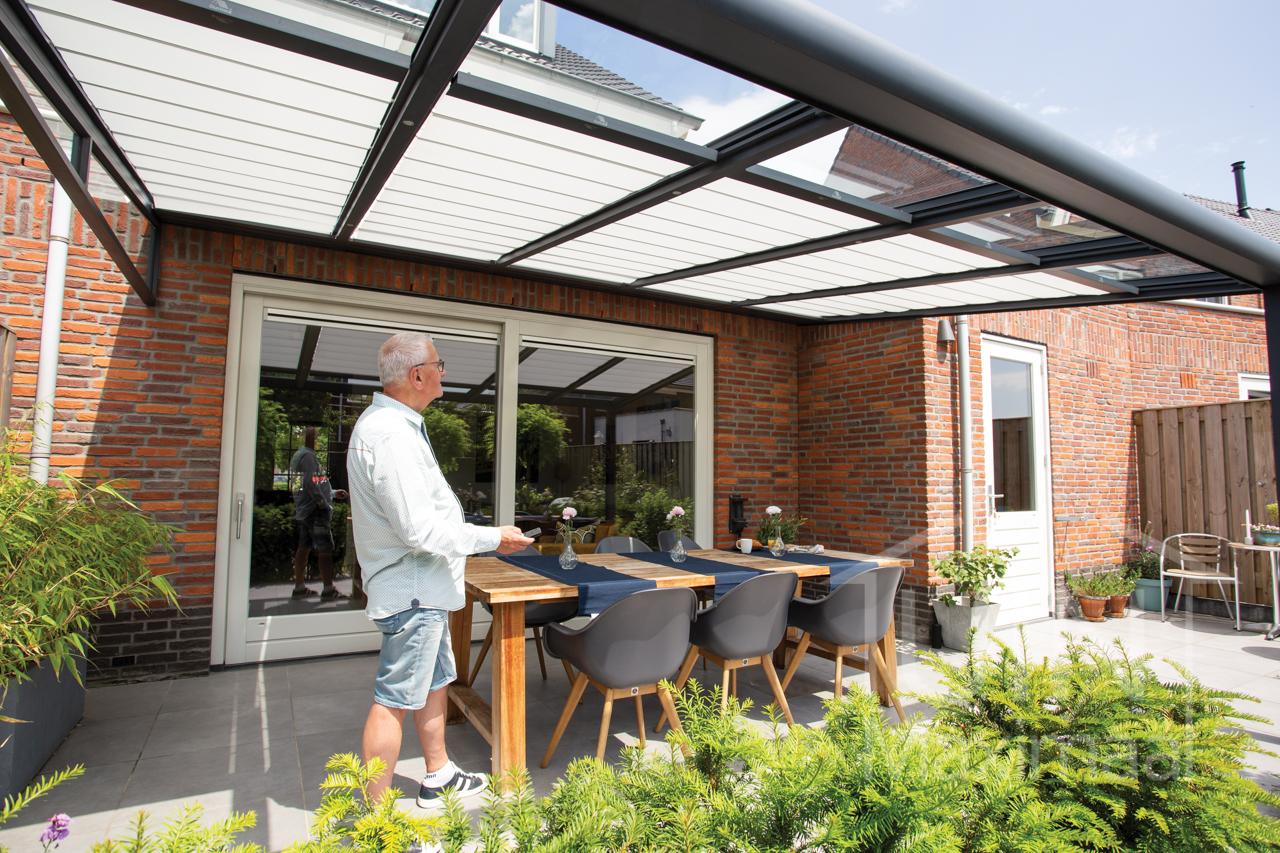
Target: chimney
{"points": [[1242, 199]]}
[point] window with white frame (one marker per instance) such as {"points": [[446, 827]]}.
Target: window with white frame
{"points": [[1255, 386], [520, 22]]}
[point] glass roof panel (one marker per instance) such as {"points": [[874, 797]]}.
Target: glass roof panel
{"points": [[393, 24], [555, 368], [303, 125], [633, 375], [722, 220], [872, 166], [1034, 226], [500, 180], [1156, 266]]}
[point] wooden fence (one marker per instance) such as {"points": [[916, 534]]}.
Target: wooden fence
{"points": [[8, 346], [1200, 468]]}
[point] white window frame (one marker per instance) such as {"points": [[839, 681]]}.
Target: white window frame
{"points": [[1254, 382], [541, 30], [406, 311]]}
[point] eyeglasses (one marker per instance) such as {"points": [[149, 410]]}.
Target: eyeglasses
{"points": [[438, 363]]}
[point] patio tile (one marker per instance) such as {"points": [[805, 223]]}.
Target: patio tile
{"points": [[125, 700], [94, 743], [227, 688], [91, 801], [339, 711], [246, 722], [320, 676]]}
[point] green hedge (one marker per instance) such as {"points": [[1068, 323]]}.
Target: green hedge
{"points": [[275, 538]]}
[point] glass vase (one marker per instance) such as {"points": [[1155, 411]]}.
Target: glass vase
{"points": [[568, 557], [678, 553], [776, 546]]}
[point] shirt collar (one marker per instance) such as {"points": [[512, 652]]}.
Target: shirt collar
{"points": [[389, 402]]}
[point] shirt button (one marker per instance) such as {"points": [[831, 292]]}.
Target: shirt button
{"points": [[413, 603]]}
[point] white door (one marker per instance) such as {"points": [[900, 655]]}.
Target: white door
{"points": [[1017, 475]]}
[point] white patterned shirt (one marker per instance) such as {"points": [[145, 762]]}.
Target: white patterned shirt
{"points": [[410, 535]]}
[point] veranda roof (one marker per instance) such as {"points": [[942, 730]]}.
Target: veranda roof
{"points": [[380, 131]]}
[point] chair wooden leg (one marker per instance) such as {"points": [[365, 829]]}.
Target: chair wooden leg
{"points": [[669, 707], [484, 650], [568, 670], [801, 648], [570, 705], [839, 685], [682, 677], [537, 644], [640, 719], [772, 674], [604, 726], [887, 679], [734, 684], [724, 690]]}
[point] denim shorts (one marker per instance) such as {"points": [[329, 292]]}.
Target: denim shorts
{"points": [[416, 657]]}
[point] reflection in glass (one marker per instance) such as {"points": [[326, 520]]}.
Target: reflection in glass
{"points": [[1034, 226], [1013, 474], [610, 434], [315, 380]]}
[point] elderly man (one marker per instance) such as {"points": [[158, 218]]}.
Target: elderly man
{"points": [[412, 543]]}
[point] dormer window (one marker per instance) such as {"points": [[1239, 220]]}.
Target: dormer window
{"points": [[523, 23]]}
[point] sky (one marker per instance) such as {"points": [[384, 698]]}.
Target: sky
{"points": [[1176, 89]]}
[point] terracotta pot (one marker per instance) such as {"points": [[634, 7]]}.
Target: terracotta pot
{"points": [[1092, 608], [1116, 605]]}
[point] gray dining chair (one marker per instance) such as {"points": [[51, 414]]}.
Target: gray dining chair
{"points": [[625, 651], [537, 615], [667, 540], [621, 545], [741, 630], [855, 615]]}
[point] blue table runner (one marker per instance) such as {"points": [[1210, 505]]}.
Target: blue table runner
{"points": [[727, 575], [598, 587], [841, 569]]}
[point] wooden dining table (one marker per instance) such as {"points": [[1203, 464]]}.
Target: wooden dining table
{"points": [[506, 588]]}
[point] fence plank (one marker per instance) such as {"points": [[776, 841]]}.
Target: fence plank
{"points": [[1236, 441], [1192, 471], [1149, 447], [8, 349], [1263, 481], [1215, 471], [1171, 463]]}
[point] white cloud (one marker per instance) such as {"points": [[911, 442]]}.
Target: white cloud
{"points": [[1052, 110], [892, 7], [720, 118], [1126, 143]]}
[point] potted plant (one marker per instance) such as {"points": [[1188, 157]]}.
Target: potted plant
{"points": [[1267, 533], [67, 553], [1121, 586], [774, 527], [1092, 592], [975, 573]]}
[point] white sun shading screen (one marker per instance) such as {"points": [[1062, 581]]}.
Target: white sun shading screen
{"points": [[722, 220], [908, 256], [217, 125], [478, 182]]}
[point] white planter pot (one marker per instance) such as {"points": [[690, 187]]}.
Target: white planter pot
{"points": [[956, 620]]}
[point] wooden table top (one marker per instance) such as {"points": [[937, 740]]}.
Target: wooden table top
{"points": [[1254, 546], [494, 581]]}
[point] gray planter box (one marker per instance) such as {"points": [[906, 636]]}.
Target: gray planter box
{"points": [[53, 705], [1148, 593], [958, 618]]}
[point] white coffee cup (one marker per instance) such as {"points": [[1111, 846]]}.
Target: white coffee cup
{"points": [[744, 545]]}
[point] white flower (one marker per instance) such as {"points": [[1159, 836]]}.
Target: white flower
{"points": [[569, 512], [772, 510], [676, 512]]}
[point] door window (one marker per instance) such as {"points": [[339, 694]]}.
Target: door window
{"points": [[1012, 436]]}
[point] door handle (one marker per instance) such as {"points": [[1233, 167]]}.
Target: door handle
{"points": [[239, 513]]}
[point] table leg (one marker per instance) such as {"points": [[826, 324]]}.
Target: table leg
{"points": [[460, 634], [1275, 596], [508, 687], [888, 648]]}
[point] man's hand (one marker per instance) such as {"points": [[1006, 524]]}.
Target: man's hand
{"points": [[340, 494], [512, 539]]}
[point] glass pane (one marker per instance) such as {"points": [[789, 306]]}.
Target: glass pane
{"points": [[1156, 266], [316, 378], [517, 21], [395, 24], [133, 229], [870, 165], [1035, 226], [610, 434], [1013, 474]]}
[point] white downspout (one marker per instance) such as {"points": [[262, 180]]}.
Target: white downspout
{"points": [[55, 279], [966, 435]]}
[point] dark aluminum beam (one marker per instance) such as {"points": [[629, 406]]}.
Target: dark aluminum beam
{"points": [[1271, 307], [1057, 257], [26, 42], [451, 32], [816, 57], [923, 218], [645, 392], [252, 24], [306, 355], [509, 99], [780, 182], [18, 102], [492, 378], [583, 380], [785, 128], [1192, 286]]}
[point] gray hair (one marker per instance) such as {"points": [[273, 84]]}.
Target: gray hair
{"points": [[400, 354]]}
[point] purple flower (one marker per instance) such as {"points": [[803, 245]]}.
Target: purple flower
{"points": [[59, 828]]}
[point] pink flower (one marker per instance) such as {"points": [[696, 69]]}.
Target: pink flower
{"points": [[676, 512], [59, 828], [773, 510], [569, 513]]}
